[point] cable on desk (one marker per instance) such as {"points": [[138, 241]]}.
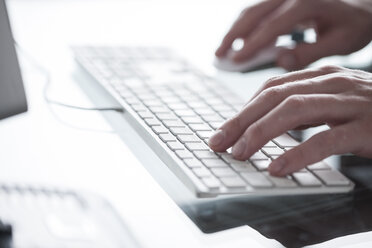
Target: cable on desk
{"points": [[48, 82]]}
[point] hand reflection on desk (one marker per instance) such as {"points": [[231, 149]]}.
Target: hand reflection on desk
{"points": [[295, 221]]}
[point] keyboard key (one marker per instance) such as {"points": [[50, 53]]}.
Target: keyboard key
{"points": [[183, 154], [148, 96], [159, 110], [223, 107], [159, 129], [256, 179], [214, 162], [123, 91], [205, 134], [170, 99], [227, 114], [202, 172], [240, 166], [178, 106], [306, 179], [190, 98], [182, 113], [166, 116], [211, 182], [213, 118], [262, 164], [188, 138], [276, 151], [153, 102], [192, 120], [258, 156], [205, 154], [165, 137], [152, 122], [270, 144], [214, 101], [193, 163], [139, 108], [282, 182], [285, 140], [233, 182], [229, 158], [175, 145], [332, 177], [215, 125], [223, 172], [145, 114], [204, 111], [197, 146], [195, 105], [164, 93], [133, 101], [173, 123], [180, 130], [182, 91], [200, 127], [319, 166], [132, 82]]}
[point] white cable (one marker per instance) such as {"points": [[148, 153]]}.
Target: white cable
{"points": [[48, 82]]}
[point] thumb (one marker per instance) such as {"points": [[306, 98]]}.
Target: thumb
{"points": [[305, 53]]}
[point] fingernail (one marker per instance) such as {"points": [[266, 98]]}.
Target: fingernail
{"points": [[288, 61], [217, 138], [277, 165], [239, 148]]}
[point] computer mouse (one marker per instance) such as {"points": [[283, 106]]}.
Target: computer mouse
{"points": [[263, 58]]}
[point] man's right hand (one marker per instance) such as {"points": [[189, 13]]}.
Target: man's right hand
{"points": [[342, 27]]}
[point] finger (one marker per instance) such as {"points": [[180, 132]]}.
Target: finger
{"points": [[304, 54], [303, 127], [246, 22], [270, 98], [338, 140], [297, 76], [282, 21], [296, 110]]}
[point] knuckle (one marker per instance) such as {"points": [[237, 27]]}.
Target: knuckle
{"points": [[294, 102], [339, 77], [256, 131], [271, 82], [234, 123], [330, 68], [343, 79], [272, 93]]}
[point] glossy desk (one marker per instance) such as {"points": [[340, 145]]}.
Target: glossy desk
{"points": [[51, 145]]}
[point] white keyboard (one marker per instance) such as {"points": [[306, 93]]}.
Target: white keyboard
{"points": [[176, 108]]}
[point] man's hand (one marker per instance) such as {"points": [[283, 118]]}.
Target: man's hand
{"points": [[338, 97], [342, 26]]}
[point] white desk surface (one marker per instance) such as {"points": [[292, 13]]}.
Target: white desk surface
{"points": [[76, 149]]}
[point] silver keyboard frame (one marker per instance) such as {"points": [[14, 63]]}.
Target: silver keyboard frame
{"points": [[178, 167]]}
